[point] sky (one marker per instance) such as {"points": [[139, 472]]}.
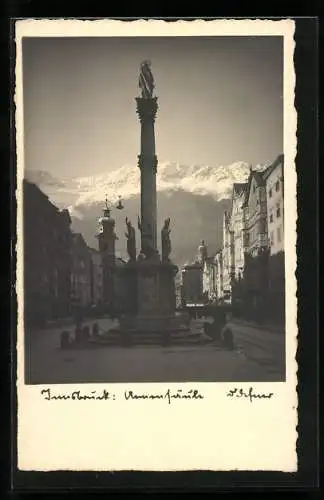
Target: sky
{"points": [[220, 100]]}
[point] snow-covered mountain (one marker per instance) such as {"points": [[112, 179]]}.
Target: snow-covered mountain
{"points": [[125, 182], [42, 178], [195, 179], [195, 198]]}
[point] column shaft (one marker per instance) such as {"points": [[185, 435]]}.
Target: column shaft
{"points": [[146, 108]]}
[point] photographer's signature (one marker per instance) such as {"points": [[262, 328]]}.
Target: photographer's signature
{"points": [[250, 394]]}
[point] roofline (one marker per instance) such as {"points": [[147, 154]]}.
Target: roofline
{"points": [[46, 197], [241, 194], [253, 174], [279, 160]]}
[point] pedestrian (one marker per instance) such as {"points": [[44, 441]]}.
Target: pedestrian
{"points": [[78, 332], [227, 338], [85, 333], [95, 330], [65, 339]]}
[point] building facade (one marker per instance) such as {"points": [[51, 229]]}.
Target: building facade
{"points": [[255, 245], [178, 290], [249, 269], [47, 257], [237, 230], [255, 215], [192, 283], [219, 285], [209, 279], [274, 178], [228, 257], [96, 278], [237, 227], [192, 277], [81, 274]]}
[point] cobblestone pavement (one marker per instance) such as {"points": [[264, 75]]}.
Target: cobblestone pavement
{"points": [[256, 358]]}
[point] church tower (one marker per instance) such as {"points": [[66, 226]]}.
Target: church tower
{"points": [[202, 252], [106, 240]]}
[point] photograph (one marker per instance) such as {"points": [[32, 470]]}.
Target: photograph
{"points": [[156, 245], [153, 209]]}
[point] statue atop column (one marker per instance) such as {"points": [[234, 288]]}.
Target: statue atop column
{"points": [[146, 80], [131, 240], [147, 250], [166, 241], [150, 283]]}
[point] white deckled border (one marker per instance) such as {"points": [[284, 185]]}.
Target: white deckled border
{"points": [[218, 434]]}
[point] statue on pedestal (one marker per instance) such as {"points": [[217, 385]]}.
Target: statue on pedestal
{"points": [[147, 250], [146, 80], [131, 241], [166, 241]]}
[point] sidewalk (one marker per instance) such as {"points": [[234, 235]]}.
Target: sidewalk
{"points": [[62, 323], [104, 322], [270, 327]]}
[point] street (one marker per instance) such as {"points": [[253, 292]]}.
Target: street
{"points": [[258, 356], [262, 346]]}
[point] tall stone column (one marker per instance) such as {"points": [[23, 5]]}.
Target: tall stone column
{"points": [[153, 277], [147, 162]]}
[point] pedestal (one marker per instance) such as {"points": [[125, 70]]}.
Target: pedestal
{"points": [[128, 274], [151, 298], [151, 284]]}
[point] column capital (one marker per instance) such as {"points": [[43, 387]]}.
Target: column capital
{"points": [[147, 161], [146, 109]]}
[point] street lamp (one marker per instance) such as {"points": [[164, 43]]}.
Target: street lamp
{"points": [[108, 208], [119, 205]]}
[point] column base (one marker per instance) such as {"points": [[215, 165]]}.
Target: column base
{"points": [[153, 324], [151, 298]]}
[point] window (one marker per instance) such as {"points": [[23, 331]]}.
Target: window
{"points": [[279, 234], [278, 211], [253, 188], [270, 193], [277, 186], [271, 218]]}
